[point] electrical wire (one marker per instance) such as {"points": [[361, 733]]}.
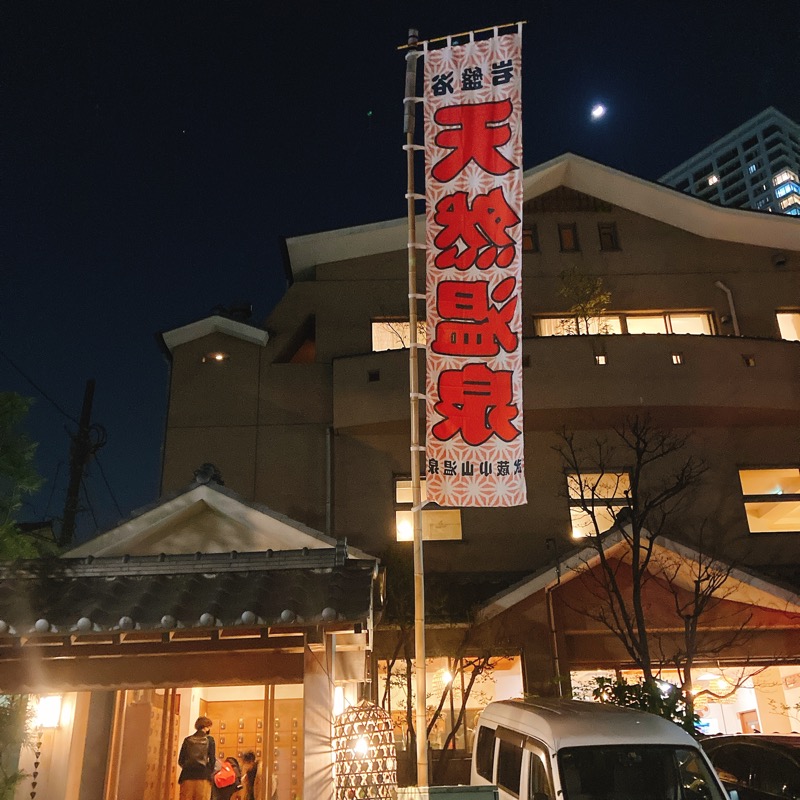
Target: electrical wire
{"points": [[39, 389], [108, 486], [89, 502]]}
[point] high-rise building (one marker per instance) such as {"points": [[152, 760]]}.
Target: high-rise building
{"points": [[754, 166]]}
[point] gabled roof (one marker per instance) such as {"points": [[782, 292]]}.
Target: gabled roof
{"points": [[214, 324], [205, 518], [652, 200], [746, 587]]}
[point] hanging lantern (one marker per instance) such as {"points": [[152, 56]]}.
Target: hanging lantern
{"points": [[366, 763]]}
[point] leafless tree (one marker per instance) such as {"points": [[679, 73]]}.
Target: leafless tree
{"points": [[631, 488]]}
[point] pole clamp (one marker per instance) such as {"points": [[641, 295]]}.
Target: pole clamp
{"points": [[416, 396]]}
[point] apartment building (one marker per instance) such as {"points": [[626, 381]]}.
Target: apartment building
{"points": [[754, 166]]}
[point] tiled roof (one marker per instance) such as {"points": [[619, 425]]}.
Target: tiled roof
{"points": [[168, 592]]}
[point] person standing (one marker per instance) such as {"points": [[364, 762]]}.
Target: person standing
{"points": [[251, 780], [197, 758]]}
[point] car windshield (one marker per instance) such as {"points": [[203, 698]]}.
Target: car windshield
{"points": [[636, 772]]}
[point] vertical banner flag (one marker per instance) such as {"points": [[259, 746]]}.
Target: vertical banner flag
{"points": [[473, 170]]}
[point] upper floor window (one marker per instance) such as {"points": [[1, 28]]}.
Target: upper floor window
{"points": [[530, 239], [437, 523], [784, 176], [395, 334], [789, 325], [595, 498], [695, 322], [568, 237], [609, 240], [771, 499]]}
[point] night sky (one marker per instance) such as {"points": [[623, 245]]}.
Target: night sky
{"points": [[153, 155]]}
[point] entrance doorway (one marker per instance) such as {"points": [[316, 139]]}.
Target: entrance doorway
{"points": [[150, 725]]}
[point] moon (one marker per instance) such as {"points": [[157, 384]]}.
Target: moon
{"points": [[598, 112]]}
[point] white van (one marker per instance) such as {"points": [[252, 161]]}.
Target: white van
{"points": [[569, 750]]}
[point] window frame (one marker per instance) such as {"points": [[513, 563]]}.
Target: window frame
{"points": [[403, 338], [429, 512], [572, 228], [756, 498], [530, 232], [589, 505], [608, 230]]}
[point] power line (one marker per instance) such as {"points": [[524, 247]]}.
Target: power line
{"points": [[108, 486], [39, 389], [88, 503]]}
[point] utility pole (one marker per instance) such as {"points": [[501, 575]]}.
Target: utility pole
{"points": [[80, 451]]}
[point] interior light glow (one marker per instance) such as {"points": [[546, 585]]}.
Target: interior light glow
{"points": [[405, 531], [338, 701], [216, 356], [361, 746], [447, 677], [48, 711], [713, 179]]}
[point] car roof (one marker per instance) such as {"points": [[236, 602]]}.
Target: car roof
{"points": [[573, 723], [786, 742]]}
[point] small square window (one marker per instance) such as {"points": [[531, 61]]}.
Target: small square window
{"points": [[568, 237], [373, 375], [600, 360], [677, 359], [749, 360], [530, 239], [609, 240]]}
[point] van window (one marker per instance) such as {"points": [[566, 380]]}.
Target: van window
{"points": [[509, 765], [636, 772], [484, 752], [538, 780]]}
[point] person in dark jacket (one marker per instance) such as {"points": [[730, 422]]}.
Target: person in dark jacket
{"points": [[197, 758]]}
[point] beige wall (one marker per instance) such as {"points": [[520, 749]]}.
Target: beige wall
{"points": [[270, 426]]}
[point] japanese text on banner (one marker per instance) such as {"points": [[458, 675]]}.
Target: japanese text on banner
{"points": [[473, 162]]}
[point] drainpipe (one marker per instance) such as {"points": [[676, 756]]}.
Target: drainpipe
{"points": [[721, 285], [551, 619], [329, 480]]}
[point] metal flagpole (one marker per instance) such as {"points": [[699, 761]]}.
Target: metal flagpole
{"points": [[409, 125]]}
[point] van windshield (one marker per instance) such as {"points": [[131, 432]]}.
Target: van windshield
{"points": [[636, 772]]}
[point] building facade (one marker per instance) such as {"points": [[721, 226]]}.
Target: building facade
{"points": [[698, 331], [754, 166]]}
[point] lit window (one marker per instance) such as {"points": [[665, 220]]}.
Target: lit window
{"points": [[216, 357], [689, 323], [790, 202], [787, 188], [712, 179], [647, 324], [437, 523], [600, 360], [771, 499], [677, 359], [530, 239], [570, 326], [395, 334], [783, 176], [789, 325], [751, 168], [568, 237], [595, 498]]}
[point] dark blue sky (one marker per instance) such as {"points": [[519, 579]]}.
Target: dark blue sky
{"points": [[153, 154]]}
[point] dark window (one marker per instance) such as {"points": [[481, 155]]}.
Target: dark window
{"points": [[608, 235], [538, 780], [776, 774], [484, 752], [509, 766], [568, 237], [530, 239]]}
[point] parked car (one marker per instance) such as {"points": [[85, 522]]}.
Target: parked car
{"points": [[757, 766], [568, 750]]}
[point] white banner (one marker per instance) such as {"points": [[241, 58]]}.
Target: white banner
{"points": [[473, 164]]}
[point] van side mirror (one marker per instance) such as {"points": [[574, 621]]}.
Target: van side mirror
{"points": [[733, 794]]}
